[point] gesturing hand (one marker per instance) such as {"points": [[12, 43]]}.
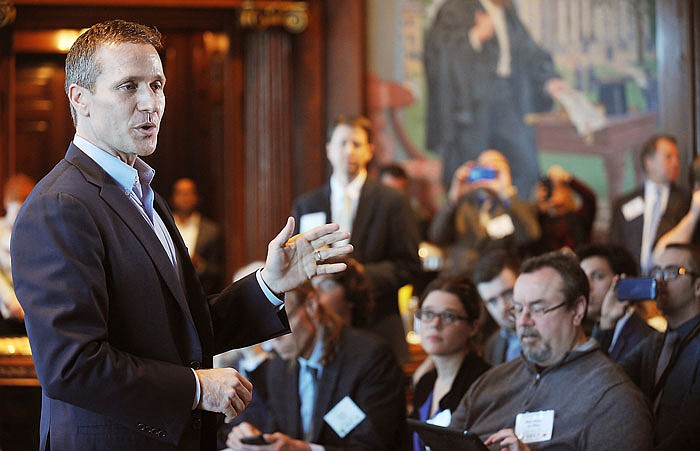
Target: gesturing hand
{"points": [[224, 390], [293, 260]]}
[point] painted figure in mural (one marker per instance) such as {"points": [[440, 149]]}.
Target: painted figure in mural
{"points": [[484, 73]]}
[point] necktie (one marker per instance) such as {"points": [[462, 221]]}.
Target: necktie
{"points": [[653, 225], [307, 396], [345, 213], [670, 341]]}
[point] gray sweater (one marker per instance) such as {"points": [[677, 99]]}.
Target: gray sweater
{"points": [[596, 406]]}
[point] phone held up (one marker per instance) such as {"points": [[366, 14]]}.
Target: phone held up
{"points": [[481, 173], [635, 289], [254, 440]]}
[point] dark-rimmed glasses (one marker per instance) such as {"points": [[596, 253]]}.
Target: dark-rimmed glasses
{"points": [[670, 272], [447, 317], [535, 311]]}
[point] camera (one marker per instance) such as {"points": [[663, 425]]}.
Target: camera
{"points": [[636, 289], [482, 173]]}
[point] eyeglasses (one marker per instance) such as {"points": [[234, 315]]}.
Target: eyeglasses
{"points": [[535, 311], [506, 296], [670, 272], [446, 317]]}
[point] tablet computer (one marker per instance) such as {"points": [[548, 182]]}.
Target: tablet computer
{"points": [[440, 438]]}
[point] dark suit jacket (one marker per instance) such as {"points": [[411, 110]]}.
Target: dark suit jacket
{"points": [[634, 331], [495, 348], [114, 332], [209, 248], [629, 233], [677, 415], [384, 234], [364, 369]]}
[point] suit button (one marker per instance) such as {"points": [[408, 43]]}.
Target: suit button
{"points": [[141, 427], [195, 364], [197, 424]]}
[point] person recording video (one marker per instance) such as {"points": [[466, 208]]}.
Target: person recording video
{"points": [[483, 211]]}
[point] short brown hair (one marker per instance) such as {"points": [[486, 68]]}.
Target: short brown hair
{"points": [[82, 68], [351, 121], [574, 280]]}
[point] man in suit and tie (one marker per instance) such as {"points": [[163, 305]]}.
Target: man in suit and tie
{"points": [[495, 276], [666, 366], [202, 236], [616, 324], [642, 216], [383, 230], [331, 385], [121, 331]]}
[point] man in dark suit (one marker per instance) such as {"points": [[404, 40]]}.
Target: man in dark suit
{"points": [[638, 220], [121, 333], [484, 74], [202, 236], [326, 375], [666, 366], [616, 324], [383, 230]]}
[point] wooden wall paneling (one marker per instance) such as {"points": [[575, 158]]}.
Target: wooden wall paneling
{"points": [[309, 116], [695, 43], [7, 80], [268, 137], [345, 35], [677, 78]]}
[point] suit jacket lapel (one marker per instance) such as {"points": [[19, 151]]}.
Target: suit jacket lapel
{"points": [[363, 216], [326, 388], [119, 202]]}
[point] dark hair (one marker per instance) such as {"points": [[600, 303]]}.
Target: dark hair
{"points": [[351, 121], [395, 170], [82, 68], [694, 251], [649, 147], [493, 262], [463, 288], [574, 280], [618, 257], [358, 292]]}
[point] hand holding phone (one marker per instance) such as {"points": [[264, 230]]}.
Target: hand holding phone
{"points": [[635, 289], [254, 440], [478, 173]]}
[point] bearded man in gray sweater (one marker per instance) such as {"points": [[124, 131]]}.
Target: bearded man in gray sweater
{"points": [[563, 392]]}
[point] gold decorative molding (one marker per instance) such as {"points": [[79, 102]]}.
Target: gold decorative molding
{"points": [[292, 16], [7, 13]]}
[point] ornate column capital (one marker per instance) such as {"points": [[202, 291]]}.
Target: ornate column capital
{"points": [[260, 15], [7, 13]]}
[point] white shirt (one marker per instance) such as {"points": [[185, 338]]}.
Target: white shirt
{"points": [[344, 200]]}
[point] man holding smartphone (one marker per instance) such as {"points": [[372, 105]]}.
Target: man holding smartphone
{"points": [[666, 366], [483, 211]]}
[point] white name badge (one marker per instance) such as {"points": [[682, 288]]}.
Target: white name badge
{"points": [[500, 226], [633, 208], [311, 220], [344, 417], [533, 427]]}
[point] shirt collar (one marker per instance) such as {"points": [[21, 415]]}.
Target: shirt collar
{"points": [[353, 188], [314, 359], [124, 174]]}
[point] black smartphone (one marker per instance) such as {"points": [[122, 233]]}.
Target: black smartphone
{"points": [[254, 440], [636, 289]]}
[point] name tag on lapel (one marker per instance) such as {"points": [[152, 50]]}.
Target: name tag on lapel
{"points": [[344, 417]]}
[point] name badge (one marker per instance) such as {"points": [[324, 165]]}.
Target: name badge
{"points": [[500, 226], [533, 427], [633, 208], [344, 417], [311, 220]]}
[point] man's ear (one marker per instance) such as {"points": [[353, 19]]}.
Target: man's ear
{"points": [[580, 310], [79, 99]]}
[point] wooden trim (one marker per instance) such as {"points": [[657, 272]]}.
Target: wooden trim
{"points": [[160, 3]]}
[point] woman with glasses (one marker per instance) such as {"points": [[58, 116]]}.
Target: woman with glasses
{"points": [[448, 318]]}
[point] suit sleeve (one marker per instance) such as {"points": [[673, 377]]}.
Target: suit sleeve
{"points": [[61, 280]]}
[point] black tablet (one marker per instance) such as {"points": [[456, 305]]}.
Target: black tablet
{"points": [[440, 438]]}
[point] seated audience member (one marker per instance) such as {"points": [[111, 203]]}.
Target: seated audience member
{"points": [[616, 324], [348, 294], [483, 211], [667, 365], [16, 190], [563, 392], [564, 222], [395, 176], [202, 236], [324, 365], [449, 318], [495, 276]]}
